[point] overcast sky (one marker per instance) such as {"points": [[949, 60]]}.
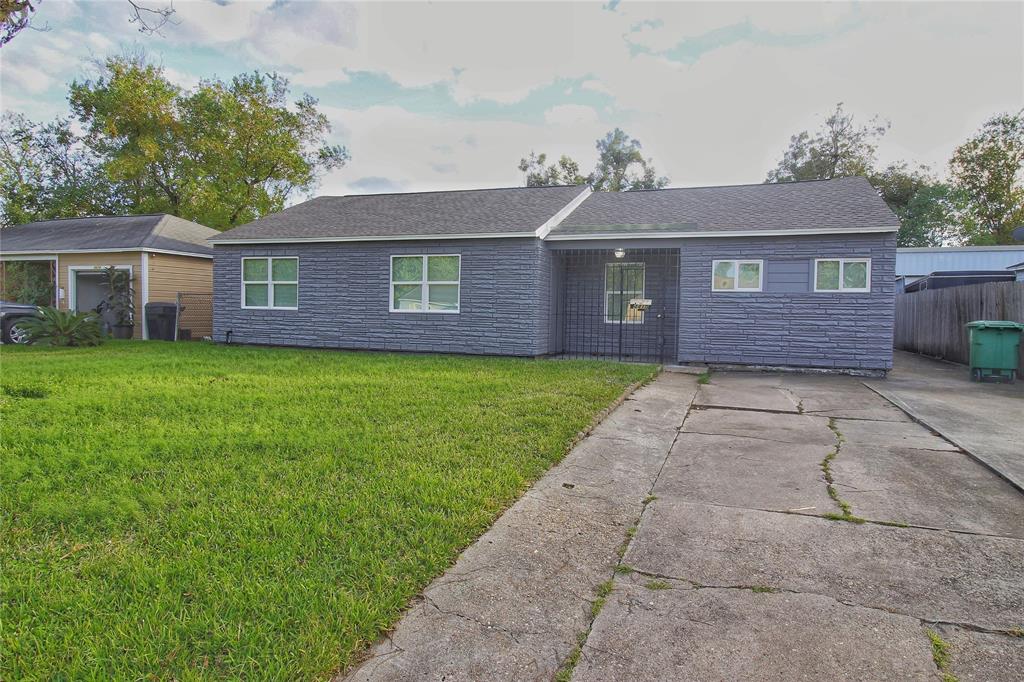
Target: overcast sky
{"points": [[451, 95]]}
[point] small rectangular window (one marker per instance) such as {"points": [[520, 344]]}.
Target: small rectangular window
{"points": [[842, 274], [736, 275], [623, 282], [271, 283], [425, 284]]}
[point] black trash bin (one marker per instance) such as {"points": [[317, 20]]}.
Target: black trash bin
{"points": [[160, 320]]}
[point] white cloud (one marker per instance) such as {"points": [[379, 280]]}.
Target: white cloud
{"points": [[570, 114]]}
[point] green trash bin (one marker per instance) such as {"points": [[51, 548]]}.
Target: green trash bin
{"points": [[995, 348]]}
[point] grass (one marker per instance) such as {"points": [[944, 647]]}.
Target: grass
{"points": [[189, 511], [940, 655]]}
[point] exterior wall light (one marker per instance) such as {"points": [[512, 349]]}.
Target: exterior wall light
{"points": [[620, 253]]}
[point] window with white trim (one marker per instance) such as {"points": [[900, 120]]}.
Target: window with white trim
{"points": [[737, 275], [622, 283], [425, 284], [271, 283], [842, 274]]}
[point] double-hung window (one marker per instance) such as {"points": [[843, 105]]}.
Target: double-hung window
{"points": [[622, 283], [842, 274], [270, 283], [736, 275], [426, 284]]}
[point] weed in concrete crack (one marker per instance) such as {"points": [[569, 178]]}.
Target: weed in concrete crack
{"points": [[704, 378], [623, 569], [940, 654], [564, 673], [657, 585], [826, 470], [892, 524], [649, 499], [605, 588], [1016, 632], [849, 518]]}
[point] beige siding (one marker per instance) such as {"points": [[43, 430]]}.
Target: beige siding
{"points": [[169, 275], [101, 260]]}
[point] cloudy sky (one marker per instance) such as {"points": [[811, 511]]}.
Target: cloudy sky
{"points": [[451, 95]]}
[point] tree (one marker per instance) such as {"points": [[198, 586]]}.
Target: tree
{"points": [[838, 149], [936, 215], [565, 171], [221, 154], [16, 15], [988, 169], [46, 171], [620, 168]]}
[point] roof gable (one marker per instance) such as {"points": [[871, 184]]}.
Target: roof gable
{"points": [[152, 231], [516, 211]]}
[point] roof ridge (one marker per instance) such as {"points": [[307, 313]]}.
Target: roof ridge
{"points": [[92, 217], [741, 184], [445, 191]]}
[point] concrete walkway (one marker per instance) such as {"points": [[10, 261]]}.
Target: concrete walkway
{"points": [[515, 603], [760, 526], [986, 419], [745, 566]]}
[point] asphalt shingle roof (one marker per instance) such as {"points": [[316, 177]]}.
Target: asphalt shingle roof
{"points": [[484, 211], [827, 204], [154, 231]]}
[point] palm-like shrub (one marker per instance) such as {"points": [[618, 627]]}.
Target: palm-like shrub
{"points": [[56, 327]]}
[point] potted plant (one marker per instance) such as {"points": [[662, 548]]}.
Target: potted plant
{"points": [[120, 302]]}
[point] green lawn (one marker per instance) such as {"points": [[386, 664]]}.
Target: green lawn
{"points": [[189, 511]]}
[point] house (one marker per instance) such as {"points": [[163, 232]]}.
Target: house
{"points": [[913, 264], [943, 279], [1018, 271], [797, 274], [164, 255]]}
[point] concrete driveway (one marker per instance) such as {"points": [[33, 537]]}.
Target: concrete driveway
{"points": [[759, 526]]}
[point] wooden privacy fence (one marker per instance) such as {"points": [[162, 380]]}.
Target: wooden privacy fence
{"points": [[933, 322]]}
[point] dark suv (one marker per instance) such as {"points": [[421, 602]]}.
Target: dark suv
{"points": [[10, 314]]}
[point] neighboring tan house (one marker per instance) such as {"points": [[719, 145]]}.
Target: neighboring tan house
{"points": [[794, 274], [164, 254]]}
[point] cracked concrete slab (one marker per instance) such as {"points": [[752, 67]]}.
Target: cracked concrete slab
{"points": [[891, 434], [982, 656], [927, 488], [512, 606], [840, 396], [683, 633], [731, 470], [932, 575], [761, 426], [752, 391]]}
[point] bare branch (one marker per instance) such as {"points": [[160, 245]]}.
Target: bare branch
{"points": [[150, 20]]}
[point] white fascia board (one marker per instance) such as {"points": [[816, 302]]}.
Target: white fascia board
{"points": [[720, 233], [391, 238], [566, 211], [30, 255]]}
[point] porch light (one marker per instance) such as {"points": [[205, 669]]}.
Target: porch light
{"points": [[620, 253]]}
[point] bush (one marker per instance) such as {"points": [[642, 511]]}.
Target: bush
{"points": [[63, 328]]}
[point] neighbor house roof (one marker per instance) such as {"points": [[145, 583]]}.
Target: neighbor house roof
{"points": [[509, 212], [847, 204], [154, 232]]}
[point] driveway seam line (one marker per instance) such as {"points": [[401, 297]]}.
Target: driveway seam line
{"points": [[694, 585], [570, 662], [977, 458]]}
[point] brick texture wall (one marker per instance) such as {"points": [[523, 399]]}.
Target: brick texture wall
{"points": [[788, 323], [344, 299]]}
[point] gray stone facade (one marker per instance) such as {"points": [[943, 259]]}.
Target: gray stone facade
{"points": [[788, 323], [344, 290], [512, 291]]}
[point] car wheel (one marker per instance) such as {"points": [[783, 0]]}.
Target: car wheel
{"points": [[14, 332]]}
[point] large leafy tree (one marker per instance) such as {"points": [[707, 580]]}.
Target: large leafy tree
{"points": [[989, 169], [621, 167], [840, 148], [46, 171], [222, 153]]}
